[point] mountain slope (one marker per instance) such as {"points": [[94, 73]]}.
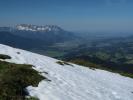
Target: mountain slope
{"points": [[70, 81]]}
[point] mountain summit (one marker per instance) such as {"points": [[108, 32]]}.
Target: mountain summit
{"points": [[46, 33]]}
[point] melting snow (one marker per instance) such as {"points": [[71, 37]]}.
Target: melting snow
{"points": [[71, 83]]}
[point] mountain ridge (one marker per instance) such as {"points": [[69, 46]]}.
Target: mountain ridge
{"points": [[50, 32], [46, 28], [33, 28]]}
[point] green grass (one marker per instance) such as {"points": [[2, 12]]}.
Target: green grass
{"points": [[85, 63], [14, 78], [94, 66], [2, 56]]}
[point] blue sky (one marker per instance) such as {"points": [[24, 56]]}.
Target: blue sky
{"points": [[76, 15]]}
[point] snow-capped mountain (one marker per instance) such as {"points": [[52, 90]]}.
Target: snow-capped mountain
{"points": [[50, 32], [34, 28], [29, 37], [70, 81], [46, 33]]}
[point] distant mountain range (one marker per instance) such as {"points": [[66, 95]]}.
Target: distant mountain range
{"points": [[36, 28], [29, 27], [46, 32], [29, 36]]}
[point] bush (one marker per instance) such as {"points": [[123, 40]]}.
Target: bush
{"points": [[63, 63]]}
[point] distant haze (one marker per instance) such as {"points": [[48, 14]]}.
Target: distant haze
{"points": [[74, 15]]}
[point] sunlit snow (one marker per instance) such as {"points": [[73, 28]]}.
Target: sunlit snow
{"points": [[71, 82]]}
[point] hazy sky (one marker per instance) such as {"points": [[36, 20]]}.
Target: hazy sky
{"points": [[83, 15]]}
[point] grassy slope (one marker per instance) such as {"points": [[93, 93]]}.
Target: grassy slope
{"points": [[14, 78], [95, 65]]}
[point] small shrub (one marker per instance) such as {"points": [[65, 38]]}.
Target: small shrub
{"points": [[2, 56], [63, 63], [60, 62], [32, 98]]}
